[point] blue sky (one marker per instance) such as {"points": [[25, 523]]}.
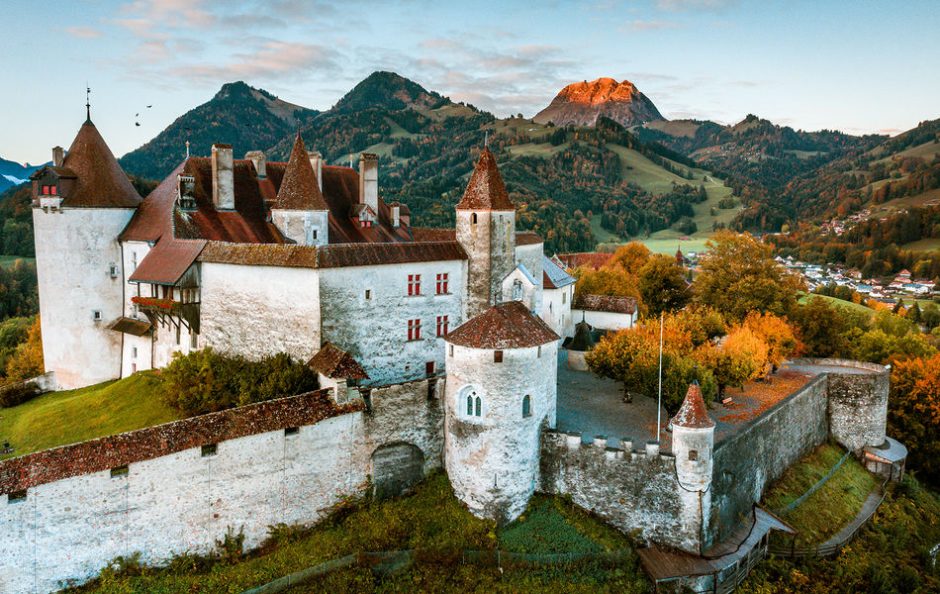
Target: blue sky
{"points": [[859, 66]]}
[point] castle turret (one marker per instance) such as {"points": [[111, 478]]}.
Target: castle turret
{"points": [[500, 393], [300, 211], [486, 228], [81, 204], [693, 444]]}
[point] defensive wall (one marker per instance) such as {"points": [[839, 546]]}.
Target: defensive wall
{"points": [[179, 487]]}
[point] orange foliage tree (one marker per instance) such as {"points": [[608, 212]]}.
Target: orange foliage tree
{"points": [[914, 412], [740, 358], [26, 361], [776, 333]]}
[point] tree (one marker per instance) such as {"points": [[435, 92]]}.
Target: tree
{"points": [[822, 328], [738, 275], [606, 281], [701, 322], [27, 361], [914, 412], [740, 358], [662, 285], [776, 333], [930, 316], [630, 257], [877, 346], [913, 314]]}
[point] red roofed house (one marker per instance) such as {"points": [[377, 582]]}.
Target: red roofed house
{"points": [[255, 257]]}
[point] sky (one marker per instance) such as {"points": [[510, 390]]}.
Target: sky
{"points": [[858, 66]]}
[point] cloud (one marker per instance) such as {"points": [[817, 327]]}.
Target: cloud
{"points": [[83, 32], [689, 5], [273, 60], [651, 25]]}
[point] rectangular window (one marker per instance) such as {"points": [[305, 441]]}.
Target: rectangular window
{"points": [[442, 283], [442, 325], [45, 190], [414, 329], [414, 284], [368, 294], [96, 315], [564, 298], [539, 352], [17, 497], [497, 356], [291, 431], [429, 368], [450, 350], [693, 455], [113, 270], [133, 367], [210, 450], [119, 471], [177, 335]]}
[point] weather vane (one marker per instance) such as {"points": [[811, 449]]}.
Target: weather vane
{"points": [[87, 102]]}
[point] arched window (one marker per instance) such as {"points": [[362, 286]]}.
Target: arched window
{"points": [[517, 290], [473, 219], [526, 406], [478, 407], [470, 405]]}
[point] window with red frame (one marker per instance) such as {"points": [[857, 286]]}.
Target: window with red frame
{"points": [[414, 284], [414, 329], [442, 283], [442, 325], [365, 224], [50, 190]]}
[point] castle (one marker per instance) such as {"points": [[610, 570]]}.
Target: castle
{"points": [[435, 348]]}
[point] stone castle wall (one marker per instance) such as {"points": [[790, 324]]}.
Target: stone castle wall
{"points": [[636, 491], [159, 491], [747, 462]]}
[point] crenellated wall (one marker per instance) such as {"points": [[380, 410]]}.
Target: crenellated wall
{"points": [[636, 491]]}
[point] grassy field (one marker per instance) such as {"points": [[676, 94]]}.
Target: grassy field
{"points": [[434, 524], [827, 510], [840, 303], [71, 416], [7, 261], [923, 245]]}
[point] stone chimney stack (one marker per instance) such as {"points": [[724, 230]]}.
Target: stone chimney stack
{"points": [[58, 156], [369, 181], [396, 216], [259, 160], [223, 177], [316, 161]]}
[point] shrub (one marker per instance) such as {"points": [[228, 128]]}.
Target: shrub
{"points": [[207, 381], [15, 394]]}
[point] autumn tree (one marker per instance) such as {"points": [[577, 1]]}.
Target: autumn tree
{"points": [[776, 333], [822, 328], [701, 322], [662, 285], [630, 257], [740, 358], [607, 281], [914, 412], [738, 275], [26, 361]]}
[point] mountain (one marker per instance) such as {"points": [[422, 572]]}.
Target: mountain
{"points": [[240, 115], [14, 174], [581, 104], [388, 90]]}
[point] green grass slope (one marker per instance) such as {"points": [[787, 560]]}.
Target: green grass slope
{"points": [[71, 416]]}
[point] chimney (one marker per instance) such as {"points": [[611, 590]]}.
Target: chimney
{"points": [[258, 158], [223, 177], [316, 161], [369, 181], [396, 216], [58, 156]]}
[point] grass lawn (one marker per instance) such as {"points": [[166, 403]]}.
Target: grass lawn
{"points": [[71, 416], [923, 245], [827, 510], [434, 524], [840, 303], [7, 261]]}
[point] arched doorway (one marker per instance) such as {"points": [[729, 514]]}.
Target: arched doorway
{"points": [[396, 467]]}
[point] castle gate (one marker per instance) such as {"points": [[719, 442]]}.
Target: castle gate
{"points": [[396, 467]]}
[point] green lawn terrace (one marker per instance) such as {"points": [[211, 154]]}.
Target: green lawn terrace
{"points": [[451, 551]]}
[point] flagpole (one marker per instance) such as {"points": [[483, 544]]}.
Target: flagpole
{"points": [[659, 401]]}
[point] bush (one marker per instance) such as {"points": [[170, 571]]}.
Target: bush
{"points": [[18, 394], [207, 381]]}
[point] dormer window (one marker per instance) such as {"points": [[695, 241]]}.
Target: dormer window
{"points": [[50, 190], [365, 224]]}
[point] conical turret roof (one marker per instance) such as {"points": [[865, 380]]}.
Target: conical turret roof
{"points": [[100, 181], [300, 189], [486, 190], [508, 325], [693, 414]]}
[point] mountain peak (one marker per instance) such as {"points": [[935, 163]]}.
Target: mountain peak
{"points": [[582, 103], [388, 90]]}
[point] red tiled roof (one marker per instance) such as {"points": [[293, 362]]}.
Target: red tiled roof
{"points": [[433, 234], [593, 260], [100, 181], [335, 363], [527, 238], [485, 190], [368, 254], [693, 413], [299, 189], [606, 303], [341, 191], [286, 255], [508, 325], [166, 263]]}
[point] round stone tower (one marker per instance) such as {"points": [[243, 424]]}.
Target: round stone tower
{"points": [[693, 443], [500, 392]]}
